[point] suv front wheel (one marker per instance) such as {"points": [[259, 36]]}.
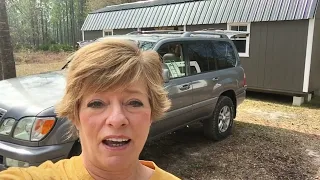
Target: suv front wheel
{"points": [[219, 126]]}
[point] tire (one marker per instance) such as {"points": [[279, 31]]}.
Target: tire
{"points": [[211, 127], [76, 149]]}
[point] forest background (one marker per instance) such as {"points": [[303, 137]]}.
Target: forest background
{"points": [[53, 25]]}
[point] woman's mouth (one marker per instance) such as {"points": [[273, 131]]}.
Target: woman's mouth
{"points": [[116, 142]]}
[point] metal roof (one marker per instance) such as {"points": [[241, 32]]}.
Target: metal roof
{"points": [[159, 13]]}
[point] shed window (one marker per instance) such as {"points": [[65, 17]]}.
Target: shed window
{"points": [[107, 32], [242, 43]]}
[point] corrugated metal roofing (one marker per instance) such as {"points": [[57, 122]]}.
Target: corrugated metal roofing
{"points": [[161, 13]]}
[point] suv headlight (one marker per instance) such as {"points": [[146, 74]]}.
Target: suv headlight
{"points": [[6, 126], [33, 129]]}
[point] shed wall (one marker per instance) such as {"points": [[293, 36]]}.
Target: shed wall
{"points": [[90, 35], [277, 56], [314, 83], [206, 26], [122, 31]]}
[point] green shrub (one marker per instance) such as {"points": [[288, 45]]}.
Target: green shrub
{"points": [[60, 47], [44, 47], [66, 48], [55, 48]]}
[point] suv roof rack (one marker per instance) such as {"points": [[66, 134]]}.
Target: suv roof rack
{"points": [[154, 32], [189, 33], [228, 34], [183, 33]]}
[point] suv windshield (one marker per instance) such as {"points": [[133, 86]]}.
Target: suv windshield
{"points": [[144, 43]]}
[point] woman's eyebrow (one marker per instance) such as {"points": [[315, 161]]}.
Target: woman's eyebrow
{"points": [[134, 91]]}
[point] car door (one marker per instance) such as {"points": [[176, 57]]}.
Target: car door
{"points": [[179, 88], [205, 77]]}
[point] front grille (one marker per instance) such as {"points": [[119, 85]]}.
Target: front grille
{"points": [[2, 112], [1, 159]]}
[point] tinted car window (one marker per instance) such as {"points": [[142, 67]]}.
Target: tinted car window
{"points": [[202, 57], [208, 56], [223, 54]]}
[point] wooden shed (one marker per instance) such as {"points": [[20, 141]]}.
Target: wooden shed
{"points": [[281, 55]]}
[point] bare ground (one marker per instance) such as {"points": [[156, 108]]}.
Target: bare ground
{"points": [[271, 139]]}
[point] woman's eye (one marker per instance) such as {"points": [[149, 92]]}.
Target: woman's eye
{"points": [[95, 104], [135, 103]]}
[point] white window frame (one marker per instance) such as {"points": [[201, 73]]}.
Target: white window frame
{"points": [[108, 31], [246, 54]]}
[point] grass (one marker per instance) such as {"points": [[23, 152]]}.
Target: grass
{"points": [[28, 69], [28, 63], [277, 111]]}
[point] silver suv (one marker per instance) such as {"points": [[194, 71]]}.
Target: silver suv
{"points": [[202, 73]]}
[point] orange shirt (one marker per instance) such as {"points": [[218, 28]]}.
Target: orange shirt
{"points": [[69, 169]]}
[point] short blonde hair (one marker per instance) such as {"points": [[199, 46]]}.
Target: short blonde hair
{"points": [[111, 64]]}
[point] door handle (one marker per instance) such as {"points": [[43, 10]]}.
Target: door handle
{"points": [[215, 79], [184, 87]]}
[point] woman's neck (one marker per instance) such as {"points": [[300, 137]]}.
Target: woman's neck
{"points": [[133, 171]]}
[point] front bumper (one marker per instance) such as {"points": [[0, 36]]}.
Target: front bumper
{"points": [[33, 155]]}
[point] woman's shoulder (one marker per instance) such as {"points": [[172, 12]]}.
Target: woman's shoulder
{"points": [[159, 174], [48, 170]]}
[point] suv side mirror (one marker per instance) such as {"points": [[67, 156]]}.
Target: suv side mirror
{"points": [[165, 75]]}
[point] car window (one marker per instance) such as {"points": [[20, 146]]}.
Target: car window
{"points": [[172, 55], [206, 56], [201, 56], [224, 54], [146, 45]]}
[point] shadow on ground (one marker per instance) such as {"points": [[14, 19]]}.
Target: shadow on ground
{"points": [[251, 152]]}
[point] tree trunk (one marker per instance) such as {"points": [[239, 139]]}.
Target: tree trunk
{"points": [[67, 37], [7, 64], [33, 29], [73, 32], [61, 32], [81, 17], [42, 23], [38, 31], [46, 31]]}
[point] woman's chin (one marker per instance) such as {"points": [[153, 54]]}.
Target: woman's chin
{"points": [[116, 156]]}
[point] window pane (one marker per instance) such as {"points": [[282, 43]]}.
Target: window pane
{"points": [[107, 33], [234, 28], [224, 54], [172, 56], [242, 28], [241, 45], [201, 57]]}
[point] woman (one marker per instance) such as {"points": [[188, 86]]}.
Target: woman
{"points": [[113, 93]]}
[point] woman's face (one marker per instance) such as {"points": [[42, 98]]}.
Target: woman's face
{"points": [[114, 126]]}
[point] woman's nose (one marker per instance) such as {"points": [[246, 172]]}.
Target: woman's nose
{"points": [[117, 117]]}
